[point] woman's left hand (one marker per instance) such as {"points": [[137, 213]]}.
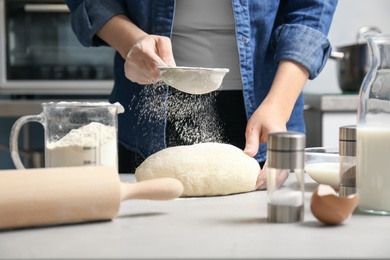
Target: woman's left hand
{"points": [[265, 120], [274, 112], [281, 177], [268, 118]]}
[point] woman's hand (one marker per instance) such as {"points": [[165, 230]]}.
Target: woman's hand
{"points": [[145, 56], [265, 120], [274, 112], [268, 118], [142, 52], [281, 177]]}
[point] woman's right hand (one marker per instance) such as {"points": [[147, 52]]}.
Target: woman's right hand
{"points": [[142, 52], [143, 59]]}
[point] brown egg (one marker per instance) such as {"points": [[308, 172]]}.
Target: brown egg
{"points": [[329, 208]]}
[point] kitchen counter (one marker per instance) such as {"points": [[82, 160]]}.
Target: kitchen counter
{"points": [[331, 102], [325, 114], [22, 107], [223, 227], [322, 102]]}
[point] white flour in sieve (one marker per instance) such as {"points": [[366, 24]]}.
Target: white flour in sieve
{"points": [[193, 80], [92, 144], [193, 116]]}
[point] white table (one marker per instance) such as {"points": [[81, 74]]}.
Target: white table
{"points": [[222, 227]]}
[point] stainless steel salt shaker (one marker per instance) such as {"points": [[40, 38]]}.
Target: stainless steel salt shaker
{"points": [[285, 156], [347, 151]]}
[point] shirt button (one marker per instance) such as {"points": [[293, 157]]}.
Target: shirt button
{"points": [[244, 40]]}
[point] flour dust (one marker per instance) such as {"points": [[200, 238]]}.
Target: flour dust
{"points": [[189, 118]]}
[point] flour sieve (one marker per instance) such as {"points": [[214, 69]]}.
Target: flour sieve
{"points": [[193, 80]]}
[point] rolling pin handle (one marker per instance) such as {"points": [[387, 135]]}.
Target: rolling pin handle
{"points": [[155, 189]]}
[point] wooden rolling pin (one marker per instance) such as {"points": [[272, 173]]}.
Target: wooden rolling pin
{"points": [[50, 196]]}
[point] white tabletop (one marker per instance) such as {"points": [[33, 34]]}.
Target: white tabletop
{"points": [[232, 226]]}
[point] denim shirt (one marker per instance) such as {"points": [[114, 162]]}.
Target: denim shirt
{"points": [[266, 33]]}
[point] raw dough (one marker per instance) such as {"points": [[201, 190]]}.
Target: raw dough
{"points": [[206, 169]]}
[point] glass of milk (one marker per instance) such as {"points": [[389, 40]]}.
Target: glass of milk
{"points": [[76, 134]]}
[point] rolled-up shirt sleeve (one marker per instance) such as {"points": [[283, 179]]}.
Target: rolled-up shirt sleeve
{"points": [[303, 35], [88, 16]]}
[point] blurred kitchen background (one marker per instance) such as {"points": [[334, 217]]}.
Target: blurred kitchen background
{"points": [[327, 107]]}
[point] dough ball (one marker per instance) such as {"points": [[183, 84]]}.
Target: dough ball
{"points": [[205, 169]]}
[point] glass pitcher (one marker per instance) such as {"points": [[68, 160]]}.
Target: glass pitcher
{"points": [[373, 131], [76, 134]]}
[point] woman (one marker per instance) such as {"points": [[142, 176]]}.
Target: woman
{"points": [[270, 47]]}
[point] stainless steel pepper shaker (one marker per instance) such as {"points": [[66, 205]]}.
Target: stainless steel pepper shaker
{"points": [[285, 155], [347, 151]]}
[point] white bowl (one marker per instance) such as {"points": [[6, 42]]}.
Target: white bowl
{"points": [[322, 165]]}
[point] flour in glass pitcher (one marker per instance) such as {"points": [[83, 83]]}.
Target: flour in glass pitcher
{"points": [[373, 169], [92, 144]]}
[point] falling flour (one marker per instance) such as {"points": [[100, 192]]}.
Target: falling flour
{"points": [[92, 144], [193, 118]]}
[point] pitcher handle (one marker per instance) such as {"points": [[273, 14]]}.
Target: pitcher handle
{"points": [[366, 31], [14, 136]]}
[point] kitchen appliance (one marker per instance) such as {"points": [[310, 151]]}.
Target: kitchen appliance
{"points": [[353, 61], [39, 53], [51, 196], [76, 134]]}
